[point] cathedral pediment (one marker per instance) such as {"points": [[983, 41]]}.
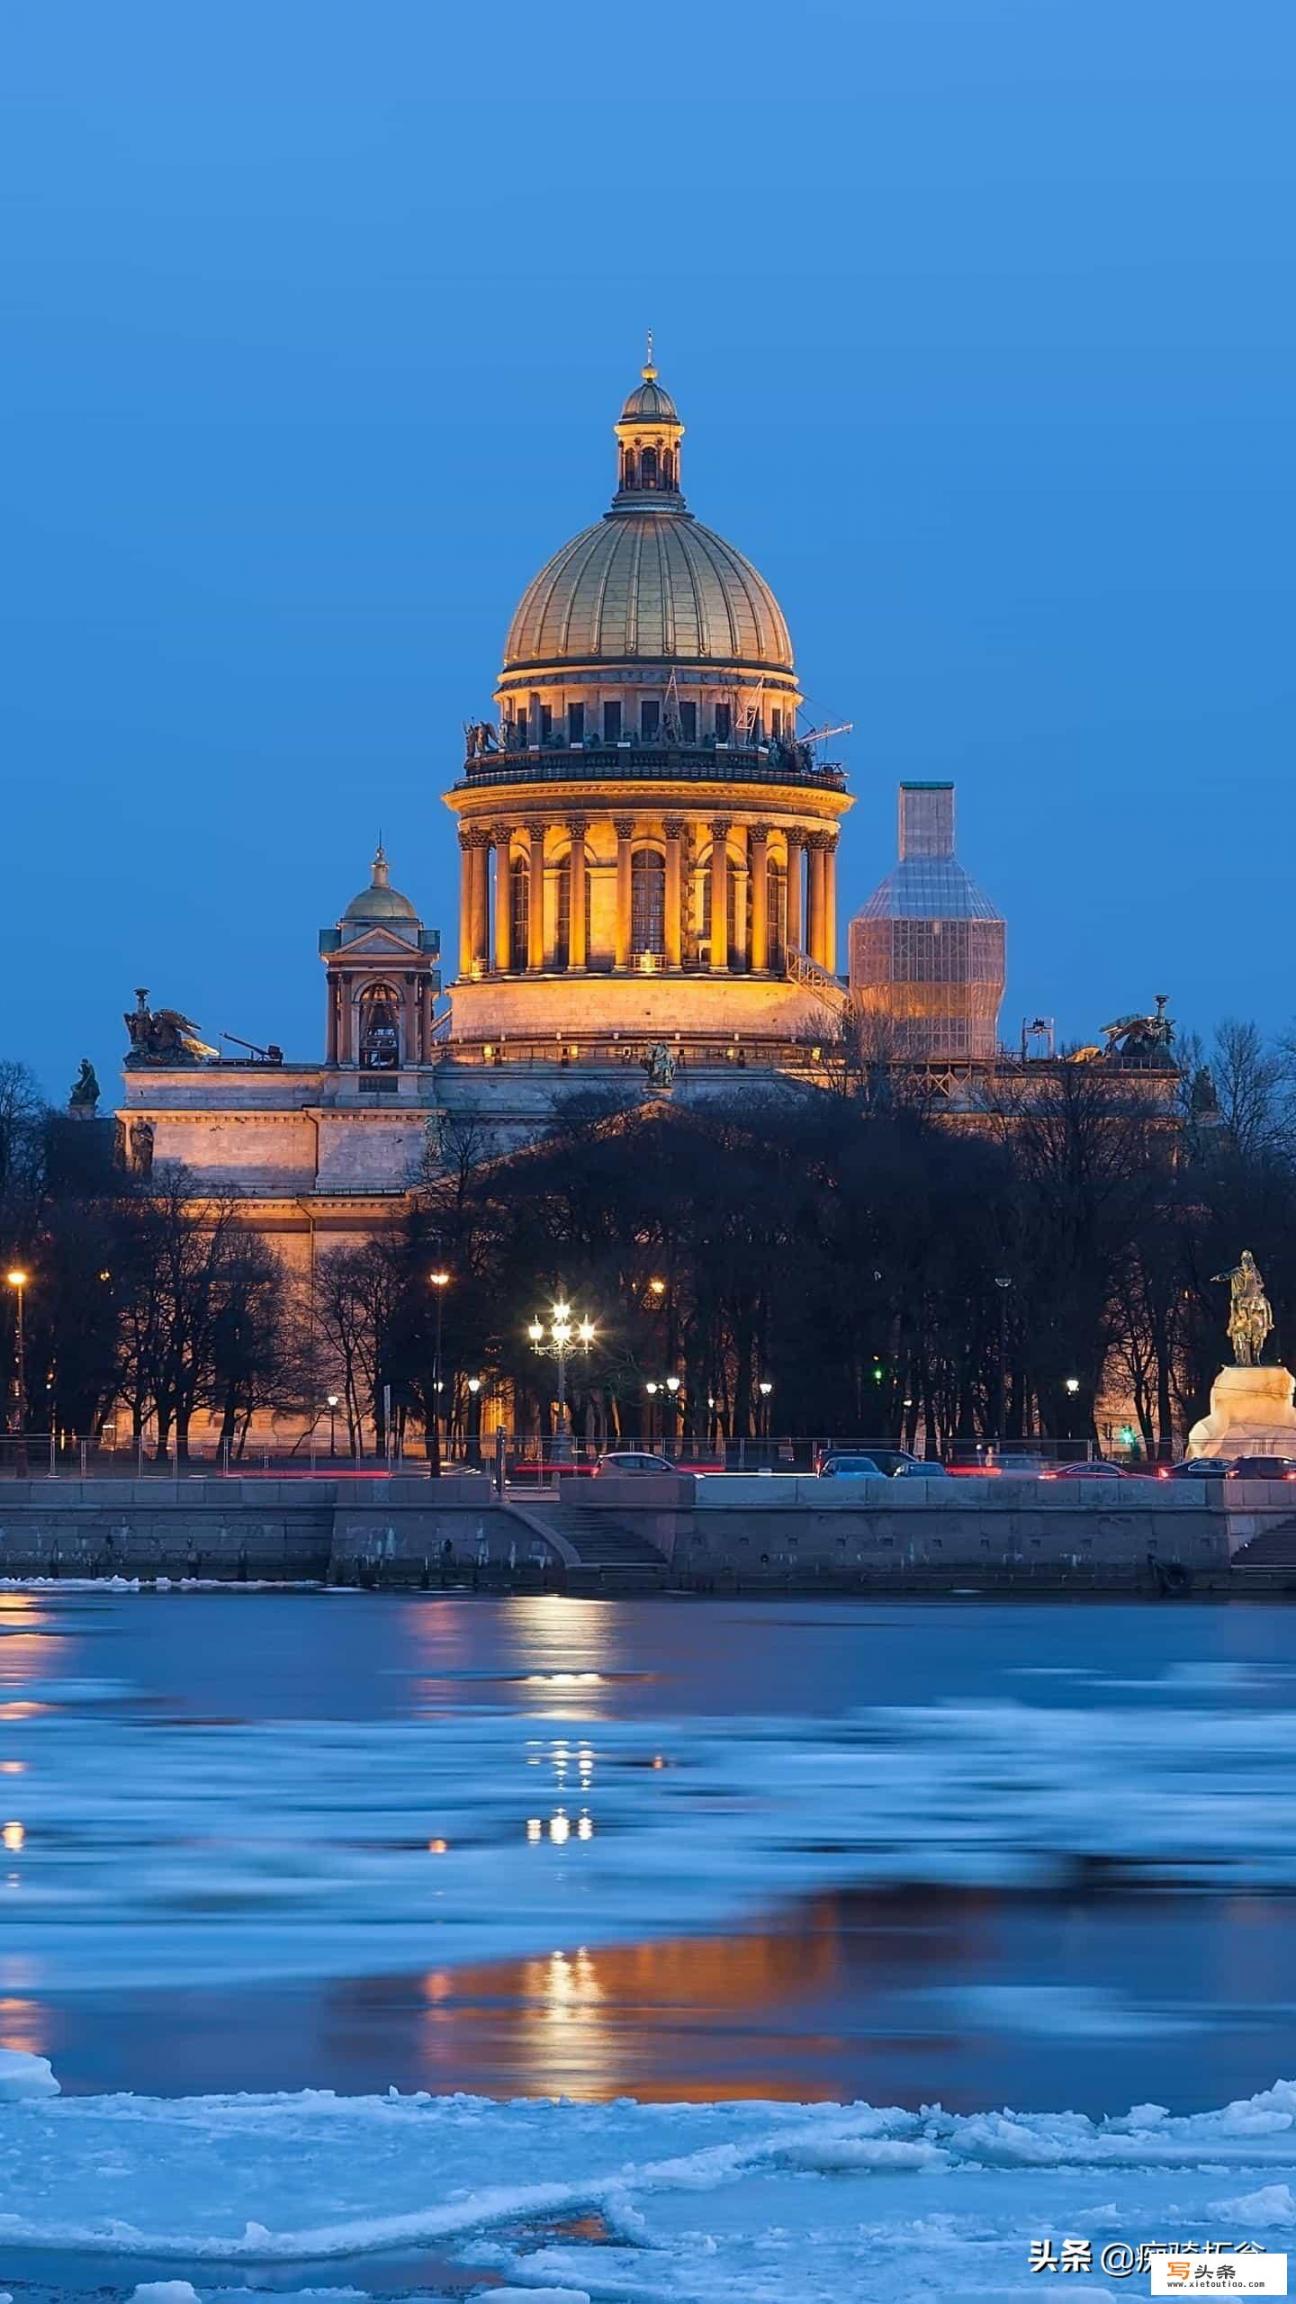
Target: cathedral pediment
{"points": [[378, 943]]}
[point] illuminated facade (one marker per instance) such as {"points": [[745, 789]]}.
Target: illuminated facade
{"points": [[647, 847], [927, 951]]}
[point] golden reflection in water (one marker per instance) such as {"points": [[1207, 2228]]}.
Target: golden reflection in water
{"points": [[29, 1648], [24, 1709], [574, 2022], [565, 1650], [24, 2024], [12, 1836], [13, 1767]]}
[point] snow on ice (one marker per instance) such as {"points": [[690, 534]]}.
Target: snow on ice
{"points": [[738, 2203]]}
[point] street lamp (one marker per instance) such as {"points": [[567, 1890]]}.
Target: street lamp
{"points": [[765, 1388], [1073, 1384], [557, 1341], [440, 1281], [331, 1403], [17, 1280]]}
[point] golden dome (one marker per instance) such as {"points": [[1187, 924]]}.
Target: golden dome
{"points": [[644, 585], [649, 403], [648, 583]]}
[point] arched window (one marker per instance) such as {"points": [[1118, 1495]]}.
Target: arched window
{"points": [[562, 923], [648, 468], [776, 900], [519, 911], [647, 902], [732, 880], [379, 1028]]}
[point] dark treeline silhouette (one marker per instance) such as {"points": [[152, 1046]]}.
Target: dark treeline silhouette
{"points": [[879, 1269]]}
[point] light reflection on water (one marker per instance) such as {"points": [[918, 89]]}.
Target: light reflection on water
{"points": [[292, 1764]]}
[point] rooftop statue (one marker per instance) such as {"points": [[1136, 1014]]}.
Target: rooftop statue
{"points": [[161, 1035], [1250, 1320], [84, 1093]]}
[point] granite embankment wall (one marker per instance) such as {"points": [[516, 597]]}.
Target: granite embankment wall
{"points": [[741, 1532], [254, 1529]]}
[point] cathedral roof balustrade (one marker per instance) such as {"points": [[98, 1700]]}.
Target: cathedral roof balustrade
{"points": [[651, 762]]}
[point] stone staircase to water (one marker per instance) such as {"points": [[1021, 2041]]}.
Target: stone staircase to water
{"points": [[1268, 1562], [610, 1557]]}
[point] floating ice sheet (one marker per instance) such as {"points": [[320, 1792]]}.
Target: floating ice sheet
{"points": [[665, 2204]]}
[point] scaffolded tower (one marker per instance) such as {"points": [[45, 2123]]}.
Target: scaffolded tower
{"points": [[927, 951]]}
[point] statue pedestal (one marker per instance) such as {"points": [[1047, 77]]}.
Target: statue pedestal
{"points": [[1251, 1414]]}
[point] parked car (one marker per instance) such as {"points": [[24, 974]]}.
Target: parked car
{"points": [[632, 1460], [888, 1463], [1096, 1469], [852, 1467], [1261, 1468]]}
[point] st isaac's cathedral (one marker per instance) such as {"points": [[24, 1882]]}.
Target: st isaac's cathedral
{"points": [[648, 898]]}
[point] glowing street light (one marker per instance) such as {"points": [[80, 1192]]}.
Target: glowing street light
{"points": [[16, 1279], [331, 1403], [440, 1281], [564, 1334]]}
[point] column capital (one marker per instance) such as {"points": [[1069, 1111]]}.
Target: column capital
{"points": [[796, 837], [501, 834], [465, 838], [721, 827], [535, 827], [480, 836], [624, 827], [676, 827], [578, 826], [821, 840], [760, 832]]}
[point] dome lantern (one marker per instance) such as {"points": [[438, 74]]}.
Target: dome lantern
{"points": [[648, 434]]}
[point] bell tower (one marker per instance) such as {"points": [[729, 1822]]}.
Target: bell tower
{"points": [[382, 981]]}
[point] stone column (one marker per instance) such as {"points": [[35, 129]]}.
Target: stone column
{"points": [[739, 872], [503, 900], [536, 897], [480, 904], [577, 924], [795, 913], [674, 923], [758, 853], [719, 958], [829, 960], [818, 845], [624, 835], [465, 903]]}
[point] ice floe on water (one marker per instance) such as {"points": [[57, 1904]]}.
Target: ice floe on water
{"points": [[153, 2200], [155, 1850]]}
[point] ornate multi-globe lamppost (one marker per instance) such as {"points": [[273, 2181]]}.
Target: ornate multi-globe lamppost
{"points": [[557, 1339]]}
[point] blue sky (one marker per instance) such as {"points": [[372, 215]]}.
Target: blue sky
{"points": [[314, 320]]}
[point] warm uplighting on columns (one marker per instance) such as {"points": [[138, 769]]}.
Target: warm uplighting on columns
{"points": [[758, 852], [624, 828]]}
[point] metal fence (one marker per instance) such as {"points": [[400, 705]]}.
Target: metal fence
{"points": [[522, 1460]]}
